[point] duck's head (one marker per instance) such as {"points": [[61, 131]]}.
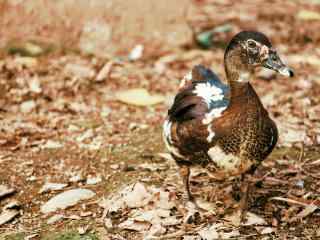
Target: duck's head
{"points": [[248, 50]]}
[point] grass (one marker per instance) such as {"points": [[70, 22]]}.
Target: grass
{"points": [[70, 235]]}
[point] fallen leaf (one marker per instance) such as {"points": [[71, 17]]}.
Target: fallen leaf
{"points": [[66, 199], [150, 212], [139, 97], [306, 211], [291, 201], [87, 134], [27, 106], [93, 180], [95, 144], [138, 197], [76, 177], [208, 206], [34, 85], [132, 196], [5, 191], [50, 144], [170, 221], [234, 219], [55, 218], [190, 237], [108, 223], [8, 215], [265, 230], [232, 234], [104, 72], [134, 225], [14, 204], [136, 52], [32, 236], [80, 107], [209, 233], [218, 231], [79, 70], [253, 219], [33, 49], [52, 187], [316, 162], [161, 200], [82, 230], [27, 62], [155, 230], [308, 15]]}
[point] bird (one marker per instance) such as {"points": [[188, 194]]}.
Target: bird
{"points": [[224, 125]]}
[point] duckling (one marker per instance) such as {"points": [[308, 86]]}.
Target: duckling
{"points": [[224, 125]]}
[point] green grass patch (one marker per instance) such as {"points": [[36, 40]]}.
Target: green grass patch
{"points": [[71, 236]]}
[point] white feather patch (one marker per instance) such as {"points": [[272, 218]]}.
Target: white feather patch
{"points": [[168, 140], [208, 92], [211, 133], [214, 113], [244, 77], [167, 129], [224, 161]]}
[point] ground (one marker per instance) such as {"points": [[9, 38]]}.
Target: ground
{"points": [[61, 123]]}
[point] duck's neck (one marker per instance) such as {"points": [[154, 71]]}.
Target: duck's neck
{"points": [[238, 75], [238, 90], [236, 68]]}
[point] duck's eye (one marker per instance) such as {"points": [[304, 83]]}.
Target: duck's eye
{"points": [[274, 57], [251, 44]]}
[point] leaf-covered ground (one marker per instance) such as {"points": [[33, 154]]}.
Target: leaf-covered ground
{"points": [[67, 119]]}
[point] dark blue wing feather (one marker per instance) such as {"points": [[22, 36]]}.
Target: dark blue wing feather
{"points": [[206, 75], [188, 105]]}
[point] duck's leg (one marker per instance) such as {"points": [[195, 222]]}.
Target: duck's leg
{"points": [[185, 174], [193, 211], [245, 191]]}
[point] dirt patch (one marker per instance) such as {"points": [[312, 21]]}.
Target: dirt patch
{"points": [[96, 27], [60, 123]]}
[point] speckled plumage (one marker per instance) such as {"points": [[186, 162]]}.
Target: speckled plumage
{"points": [[242, 128], [226, 125]]}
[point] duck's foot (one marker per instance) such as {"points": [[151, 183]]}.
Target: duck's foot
{"points": [[195, 210], [237, 218], [193, 213]]}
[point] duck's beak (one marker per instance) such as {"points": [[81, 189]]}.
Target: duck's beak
{"points": [[274, 62]]}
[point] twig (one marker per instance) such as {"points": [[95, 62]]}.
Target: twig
{"points": [[174, 235], [311, 174], [179, 233], [305, 162], [301, 152], [305, 212], [316, 162], [290, 201]]}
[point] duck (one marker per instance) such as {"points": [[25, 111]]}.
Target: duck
{"points": [[224, 125]]}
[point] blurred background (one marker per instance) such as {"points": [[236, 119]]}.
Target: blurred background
{"points": [[85, 87]]}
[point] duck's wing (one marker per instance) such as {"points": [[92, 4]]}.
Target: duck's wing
{"points": [[201, 93]]}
